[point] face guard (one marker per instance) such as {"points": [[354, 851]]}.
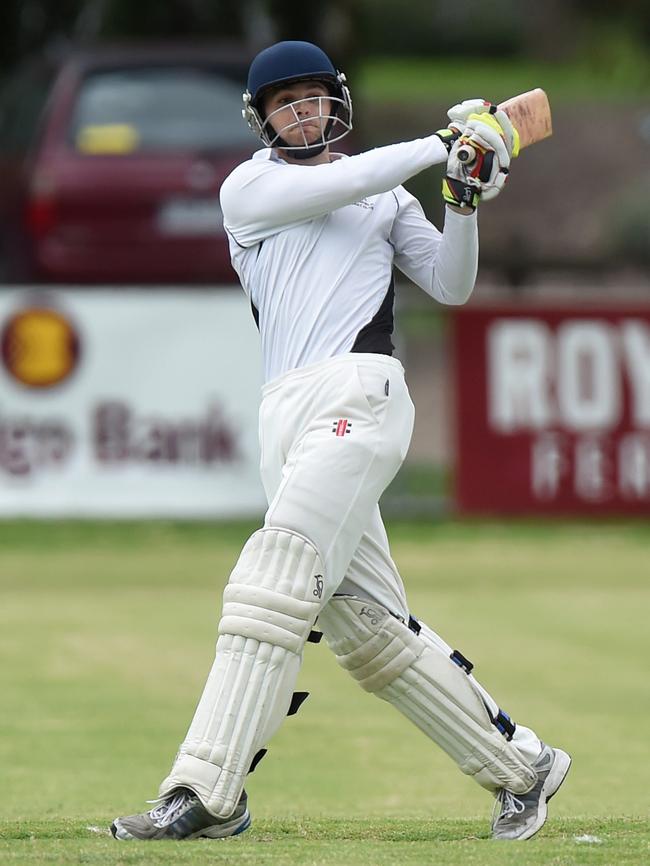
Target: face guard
{"points": [[334, 123]]}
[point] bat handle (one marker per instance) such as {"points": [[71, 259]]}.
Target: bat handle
{"points": [[466, 154]]}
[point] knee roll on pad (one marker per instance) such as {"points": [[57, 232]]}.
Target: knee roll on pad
{"points": [[270, 605], [418, 677], [274, 591]]}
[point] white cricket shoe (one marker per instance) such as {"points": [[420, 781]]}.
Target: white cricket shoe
{"points": [[182, 816], [520, 816]]}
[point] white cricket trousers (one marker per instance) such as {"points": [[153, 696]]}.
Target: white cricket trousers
{"points": [[333, 436]]}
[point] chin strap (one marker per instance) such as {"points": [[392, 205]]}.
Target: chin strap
{"points": [[307, 152]]}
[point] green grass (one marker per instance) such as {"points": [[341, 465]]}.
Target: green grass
{"points": [[622, 78], [329, 842], [107, 632]]}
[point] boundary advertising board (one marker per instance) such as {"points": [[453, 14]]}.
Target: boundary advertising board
{"points": [[553, 410], [129, 403]]}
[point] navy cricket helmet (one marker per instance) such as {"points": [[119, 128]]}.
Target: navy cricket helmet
{"points": [[287, 63]]}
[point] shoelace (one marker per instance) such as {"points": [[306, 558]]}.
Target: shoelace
{"points": [[168, 811], [510, 805]]}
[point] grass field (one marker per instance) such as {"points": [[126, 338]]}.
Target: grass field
{"points": [[107, 631], [623, 78]]}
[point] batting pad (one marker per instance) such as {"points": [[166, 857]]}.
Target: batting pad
{"points": [[270, 604], [418, 677]]}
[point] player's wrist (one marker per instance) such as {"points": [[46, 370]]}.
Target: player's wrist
{"points": [[462, 211], [448, 136]]}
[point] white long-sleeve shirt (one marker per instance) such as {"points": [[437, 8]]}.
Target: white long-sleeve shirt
{"points": [[314, 247]]}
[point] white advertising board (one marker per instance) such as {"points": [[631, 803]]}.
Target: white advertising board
{"points": [[129, 403]]}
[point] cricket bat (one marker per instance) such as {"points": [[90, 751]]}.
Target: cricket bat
{"points": [[530, 114]]}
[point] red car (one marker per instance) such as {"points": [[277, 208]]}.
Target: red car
{"points": [[111, 163]]}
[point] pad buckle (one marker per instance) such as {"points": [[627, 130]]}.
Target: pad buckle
{"points": [[504, 724], [414, 625], [461, 661]]}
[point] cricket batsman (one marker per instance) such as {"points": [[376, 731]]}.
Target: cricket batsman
{"points": [[314, 236]]}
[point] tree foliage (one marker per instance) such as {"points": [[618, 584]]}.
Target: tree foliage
{"points": [[346, 28]]}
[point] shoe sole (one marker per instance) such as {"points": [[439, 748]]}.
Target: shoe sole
{"points": [[551, 786]]}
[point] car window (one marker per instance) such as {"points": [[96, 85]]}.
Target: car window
{"points": [[21, 106], [158, 109]]}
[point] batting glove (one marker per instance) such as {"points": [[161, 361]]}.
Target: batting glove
{"points": [[460, 114], [485, 175]]}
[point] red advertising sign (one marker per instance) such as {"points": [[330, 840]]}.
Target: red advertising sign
{"points": [[553, 410]]}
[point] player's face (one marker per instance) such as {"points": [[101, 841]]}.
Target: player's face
{"points": [[299, 111]]}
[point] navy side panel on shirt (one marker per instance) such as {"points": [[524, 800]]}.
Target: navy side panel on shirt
{"points": [[376, 335]]}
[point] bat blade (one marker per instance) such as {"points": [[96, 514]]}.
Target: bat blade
{"points": [[530, 114]]}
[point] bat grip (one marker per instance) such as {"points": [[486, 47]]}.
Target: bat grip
{"points": [[466, 154]]}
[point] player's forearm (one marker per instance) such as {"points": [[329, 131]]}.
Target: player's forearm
{"points": [[383, 168], [291, 194], [456, 264]]}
